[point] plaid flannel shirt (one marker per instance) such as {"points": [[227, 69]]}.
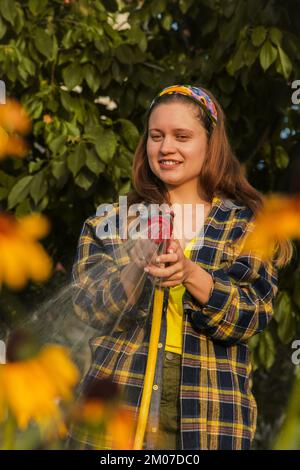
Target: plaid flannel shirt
{"points": [[218, 409]]}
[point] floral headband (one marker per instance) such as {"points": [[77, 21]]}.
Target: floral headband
{"points": [[196, 94]]}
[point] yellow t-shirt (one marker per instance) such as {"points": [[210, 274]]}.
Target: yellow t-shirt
{"points": [[175, 312]]}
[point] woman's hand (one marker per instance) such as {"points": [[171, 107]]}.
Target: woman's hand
{"points": [[143, 252], [179, 266]]}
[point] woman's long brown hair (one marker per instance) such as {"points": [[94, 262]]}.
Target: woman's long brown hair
{"points": [[221, 175]]}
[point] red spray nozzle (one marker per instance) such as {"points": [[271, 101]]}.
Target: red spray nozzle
{"points": [[160, 227]]}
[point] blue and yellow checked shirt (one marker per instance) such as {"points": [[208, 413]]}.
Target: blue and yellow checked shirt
{"points": [[218, 409]]}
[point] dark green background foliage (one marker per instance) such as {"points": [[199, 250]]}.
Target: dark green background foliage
{"points": [[58, 57]]}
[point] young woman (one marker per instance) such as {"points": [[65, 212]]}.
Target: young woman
{"points": [[216, 298]]}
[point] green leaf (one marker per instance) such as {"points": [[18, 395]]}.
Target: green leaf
{"points": [[92, 77], [287, 327], [226, 84], [59, 169], [3, 193], [6, 180], [184, 5], [93, 163], [285, 66], [23, 208], [71, 129], [19, 192], [266, 349], [34, 108], [72, 75], [3, 28], [258, 36], [35, 166], [124, 54], [76, 159], [57, 145], [129, 132], [84, 180], [37, 6], [106, 145], [276, 36], [281, 157], [237, 61], [19, 20], [267, 56], [285, 317], [283, 304], [8, 10], [44, 43], [125, 188], [43, 203], [29, 65], [167, 22], [38, 187]]}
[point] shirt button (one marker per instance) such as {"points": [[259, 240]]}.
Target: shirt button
{"points": [[155, 387], [169, 356], [154, 429], [160, 345]]}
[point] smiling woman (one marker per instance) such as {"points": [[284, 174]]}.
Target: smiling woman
{"points": [[202, 395]]}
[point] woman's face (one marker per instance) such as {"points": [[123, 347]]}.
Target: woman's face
{"points": [[176, 143]]}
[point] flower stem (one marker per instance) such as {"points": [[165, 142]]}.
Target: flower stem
{"points": [[9, 433]]}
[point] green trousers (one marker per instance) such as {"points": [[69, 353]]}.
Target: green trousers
{"points": [[169, 425]]}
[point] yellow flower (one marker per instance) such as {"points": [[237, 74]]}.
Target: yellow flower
{"points": [[102, 413], [21, 256], [47, 119], [14, 120], [122, 427], [32, 389], [277, 221], [107, 419], [91, 411]]}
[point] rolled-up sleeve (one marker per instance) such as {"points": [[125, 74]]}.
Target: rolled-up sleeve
{"points": [[98, 295]]}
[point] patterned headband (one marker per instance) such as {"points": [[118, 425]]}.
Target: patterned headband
{"points": [[194, 93]]}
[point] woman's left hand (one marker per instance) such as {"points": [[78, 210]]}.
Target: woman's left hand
{"points": [[178, 270]]}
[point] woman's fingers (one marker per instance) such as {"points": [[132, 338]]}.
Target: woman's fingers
{"points": [[167, 258], [162, 272], [143, 252]]}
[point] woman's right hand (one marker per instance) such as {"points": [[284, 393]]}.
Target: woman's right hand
{"points": [[144, 252]]}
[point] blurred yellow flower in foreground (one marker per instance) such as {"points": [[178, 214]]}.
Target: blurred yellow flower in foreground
{"points": [[14, 120], [101, 415], [21, 256], [107, 419], [277, 221], [31, 389]]}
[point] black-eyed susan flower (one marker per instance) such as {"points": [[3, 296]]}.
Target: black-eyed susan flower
{"points": [[21, 256], [101, 415], [277, 221], [32, 388], [14, 118], [14, 123]]}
